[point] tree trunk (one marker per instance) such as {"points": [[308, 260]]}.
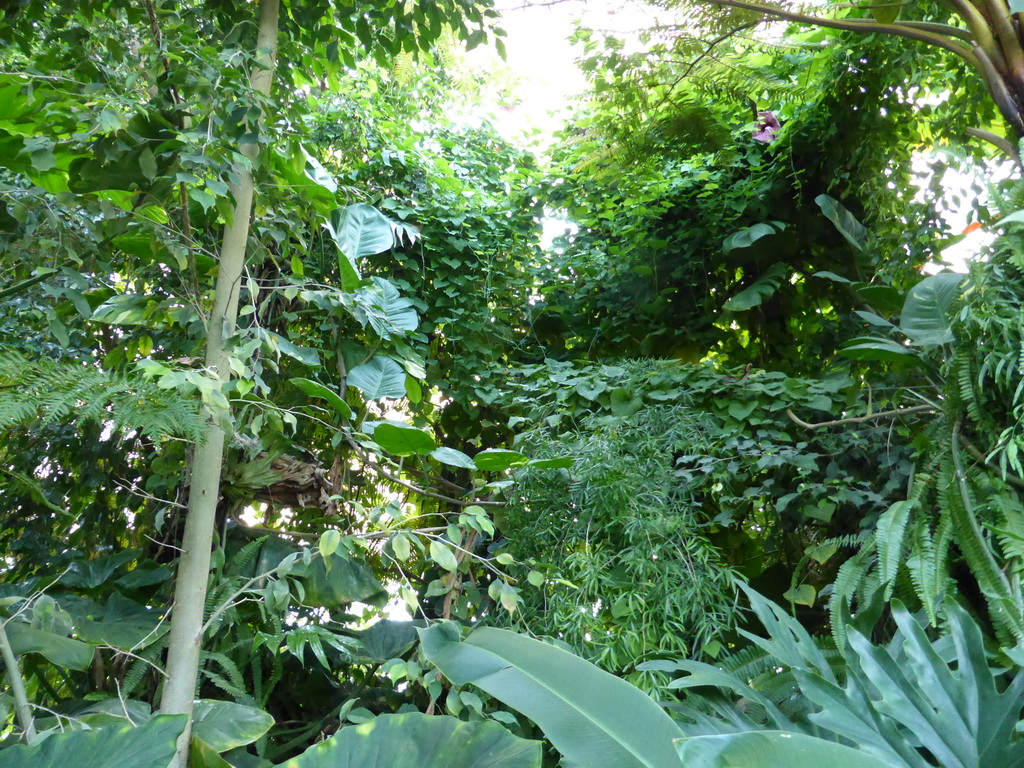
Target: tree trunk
{"points": [[194, 565]]}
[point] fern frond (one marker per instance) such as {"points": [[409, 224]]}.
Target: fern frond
{"points": [[52, 392]]}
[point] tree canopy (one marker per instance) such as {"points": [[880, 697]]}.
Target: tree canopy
{"points": [[317, 450]]}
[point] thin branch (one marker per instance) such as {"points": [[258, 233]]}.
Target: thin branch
{"points": [[894, 414], [851, 25], [998, 141]]}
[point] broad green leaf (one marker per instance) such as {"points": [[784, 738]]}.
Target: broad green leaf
{"points": [[847, 224], [757, 292], [358, 230], [927, 313], [381, 377], [747, 237], [831, 276], [453, 458], [347, 581], [625, 402], [316, 389], [499, 459], [122, 624], [277, 342], [869, 348], [562, 462], [389, 639], [224, 725], [150, 745], [773, 749], [441, 554], [403, 439], [401, 546], [60, 650], [202, 755], [592, 717], [415, 740]]}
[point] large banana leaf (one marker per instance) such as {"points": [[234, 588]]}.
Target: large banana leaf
{"points": [[415, 740], [593, 718], [150, 745]]}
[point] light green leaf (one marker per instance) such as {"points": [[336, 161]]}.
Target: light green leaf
{"points": [[847, 224], [499, 459], [773, 748], [453, 458], [330, 540], [379, 378], [562, 462], [805, 594], [150, 745], [358, 230], [415, 740], [401, 546], [592, 717], [403, 439], [443, 556], [316, 389], [927, 313], [224, 725]]}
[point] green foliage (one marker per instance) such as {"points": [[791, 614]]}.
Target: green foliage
{"points": [[51, 392], [591, 717], [413, 740]]}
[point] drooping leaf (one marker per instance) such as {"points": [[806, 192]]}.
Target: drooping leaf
{"points": [[358, 230], [150, 745], [347, 581], [415, 740], [58, 649], [870, 348], [761, 749], [316, 389], [443, 556], [747, 237], [403, 439], [927, 313], [380, 377], [757, 292], [592, 717], [224, 725], [847, 224]]}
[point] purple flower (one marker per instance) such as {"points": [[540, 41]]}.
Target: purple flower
{"points": [[768, 127]]}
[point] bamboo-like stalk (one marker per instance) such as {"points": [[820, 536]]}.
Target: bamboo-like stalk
{"points": [[21, 703], [186, 635]]}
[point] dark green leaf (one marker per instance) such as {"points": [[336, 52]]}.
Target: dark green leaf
{"points": [[60, 650], [847, 224], [150, 745], [927, 312], [498, 460], [453, 458], [316, 389], [223, 725]]}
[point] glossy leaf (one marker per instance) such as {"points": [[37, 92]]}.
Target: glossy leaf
{"points": [[415, 740], [592, 717], [747, 237]]}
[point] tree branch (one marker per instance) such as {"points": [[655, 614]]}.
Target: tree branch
{"points": [[893, 414]]}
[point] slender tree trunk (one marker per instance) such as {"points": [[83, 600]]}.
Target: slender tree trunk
{"points": [[204, 493]]}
